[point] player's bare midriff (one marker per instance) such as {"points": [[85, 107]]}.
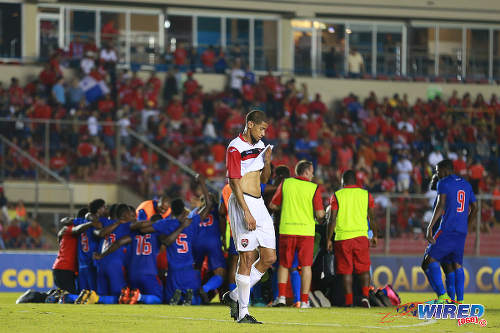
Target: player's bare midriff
{"points": [[250, 183]]}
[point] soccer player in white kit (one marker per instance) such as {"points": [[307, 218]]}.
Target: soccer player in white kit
{"points": [[248, 164]]}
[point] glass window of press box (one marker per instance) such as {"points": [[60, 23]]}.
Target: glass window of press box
{"points": [[10, 31]]}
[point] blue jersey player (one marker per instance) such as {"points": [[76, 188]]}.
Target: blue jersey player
{"points": [[208, 244], [456, 208], [142, 270], [111, 269]]}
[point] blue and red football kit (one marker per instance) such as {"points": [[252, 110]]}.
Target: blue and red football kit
{"points": [[87, 270], [208, 242], [181, 273], [111, 270]]}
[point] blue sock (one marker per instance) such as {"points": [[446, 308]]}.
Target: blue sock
{"points": [[296, 284], [435, 272], [214, 283], [108, 299], [70, 298], [431, 281], [274, 284], [150, 299], [232, 286], [459, 283], [450, 285], [196, 300]]}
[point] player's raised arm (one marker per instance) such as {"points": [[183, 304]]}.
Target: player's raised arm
{"points": [[438, 211], [77, 230], [205, 210], [115, 246]]}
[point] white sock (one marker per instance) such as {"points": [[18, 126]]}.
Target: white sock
{"points": [[255, 274], [243, 283]]}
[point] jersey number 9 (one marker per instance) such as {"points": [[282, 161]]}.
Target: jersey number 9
{"points": [[461, 201]]}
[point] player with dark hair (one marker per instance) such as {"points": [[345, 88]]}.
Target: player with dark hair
{"points": [[249, 165], [300, 201], [111, 269], [145, 285], [456, 207], [351, 206], [65, 266], [152, 207], [208, 244]]}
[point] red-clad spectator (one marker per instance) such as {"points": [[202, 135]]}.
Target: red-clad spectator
{"points": [[232, 126], [59, 164], [154, 82], [42, 110], [150, 98], [15, 93], [460, 166], [106, 105], [109, 32], [208, 58], [35, 234], [86, 152], [138, 100], [76, 48], [195, 104], [270, 82], [388, 184], [180, 55], [135, 81], [48, 76], [302, 109], [324, 152], [175, 111], [476, 173], [190, 86], [248, 91], [344, 158], [318, 106], [313, 129]]}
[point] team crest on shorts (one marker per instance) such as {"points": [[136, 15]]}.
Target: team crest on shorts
{"points": [[244, 242]]}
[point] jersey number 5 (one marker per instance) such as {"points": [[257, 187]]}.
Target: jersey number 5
{"points": [[184, 247], [461, 201], [143, 245]]}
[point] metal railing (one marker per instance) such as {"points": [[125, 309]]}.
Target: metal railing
{"points": [[39, 166]]}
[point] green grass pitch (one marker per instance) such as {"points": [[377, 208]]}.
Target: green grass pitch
{"points": [[215, 318]]}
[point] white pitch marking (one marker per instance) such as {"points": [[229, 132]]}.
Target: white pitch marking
{"points": [[424, 323]]}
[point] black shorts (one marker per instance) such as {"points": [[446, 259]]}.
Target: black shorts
{"points": [[65, 279]]}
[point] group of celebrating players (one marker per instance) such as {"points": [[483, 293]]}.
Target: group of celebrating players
{"points": [[118, 246]]}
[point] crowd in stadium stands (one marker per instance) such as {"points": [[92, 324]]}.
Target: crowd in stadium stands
{"points": [[391, 143], [18, 228]]}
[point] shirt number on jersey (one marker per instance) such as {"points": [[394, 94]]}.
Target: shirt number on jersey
{"points": [[84, 241], [143, 245], [461, 201], [110, 239], [207, 222], [184, 247]]}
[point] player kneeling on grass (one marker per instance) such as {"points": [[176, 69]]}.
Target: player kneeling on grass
{"points": [[145, 285]]}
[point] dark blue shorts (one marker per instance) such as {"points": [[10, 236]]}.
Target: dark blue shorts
{"points": [[147, 284], [210, 247], [449, 247], [232, 247], [110, 278], [87, 278], [182, 279]]}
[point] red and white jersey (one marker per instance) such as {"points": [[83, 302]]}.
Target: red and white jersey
{"points": [[242, 157]]}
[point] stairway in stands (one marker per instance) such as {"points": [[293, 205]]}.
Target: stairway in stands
{"points": [[489, 244]]}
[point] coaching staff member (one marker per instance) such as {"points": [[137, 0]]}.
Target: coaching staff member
{"points": [[350, 208], [300, 202]]}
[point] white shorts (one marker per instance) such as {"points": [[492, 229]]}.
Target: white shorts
{"points": [[262, 236]]}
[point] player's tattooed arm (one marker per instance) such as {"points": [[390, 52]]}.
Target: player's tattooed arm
{"points": [[235, 184], [438, 211], [115, 246], [331, 228], [266, 171]]}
